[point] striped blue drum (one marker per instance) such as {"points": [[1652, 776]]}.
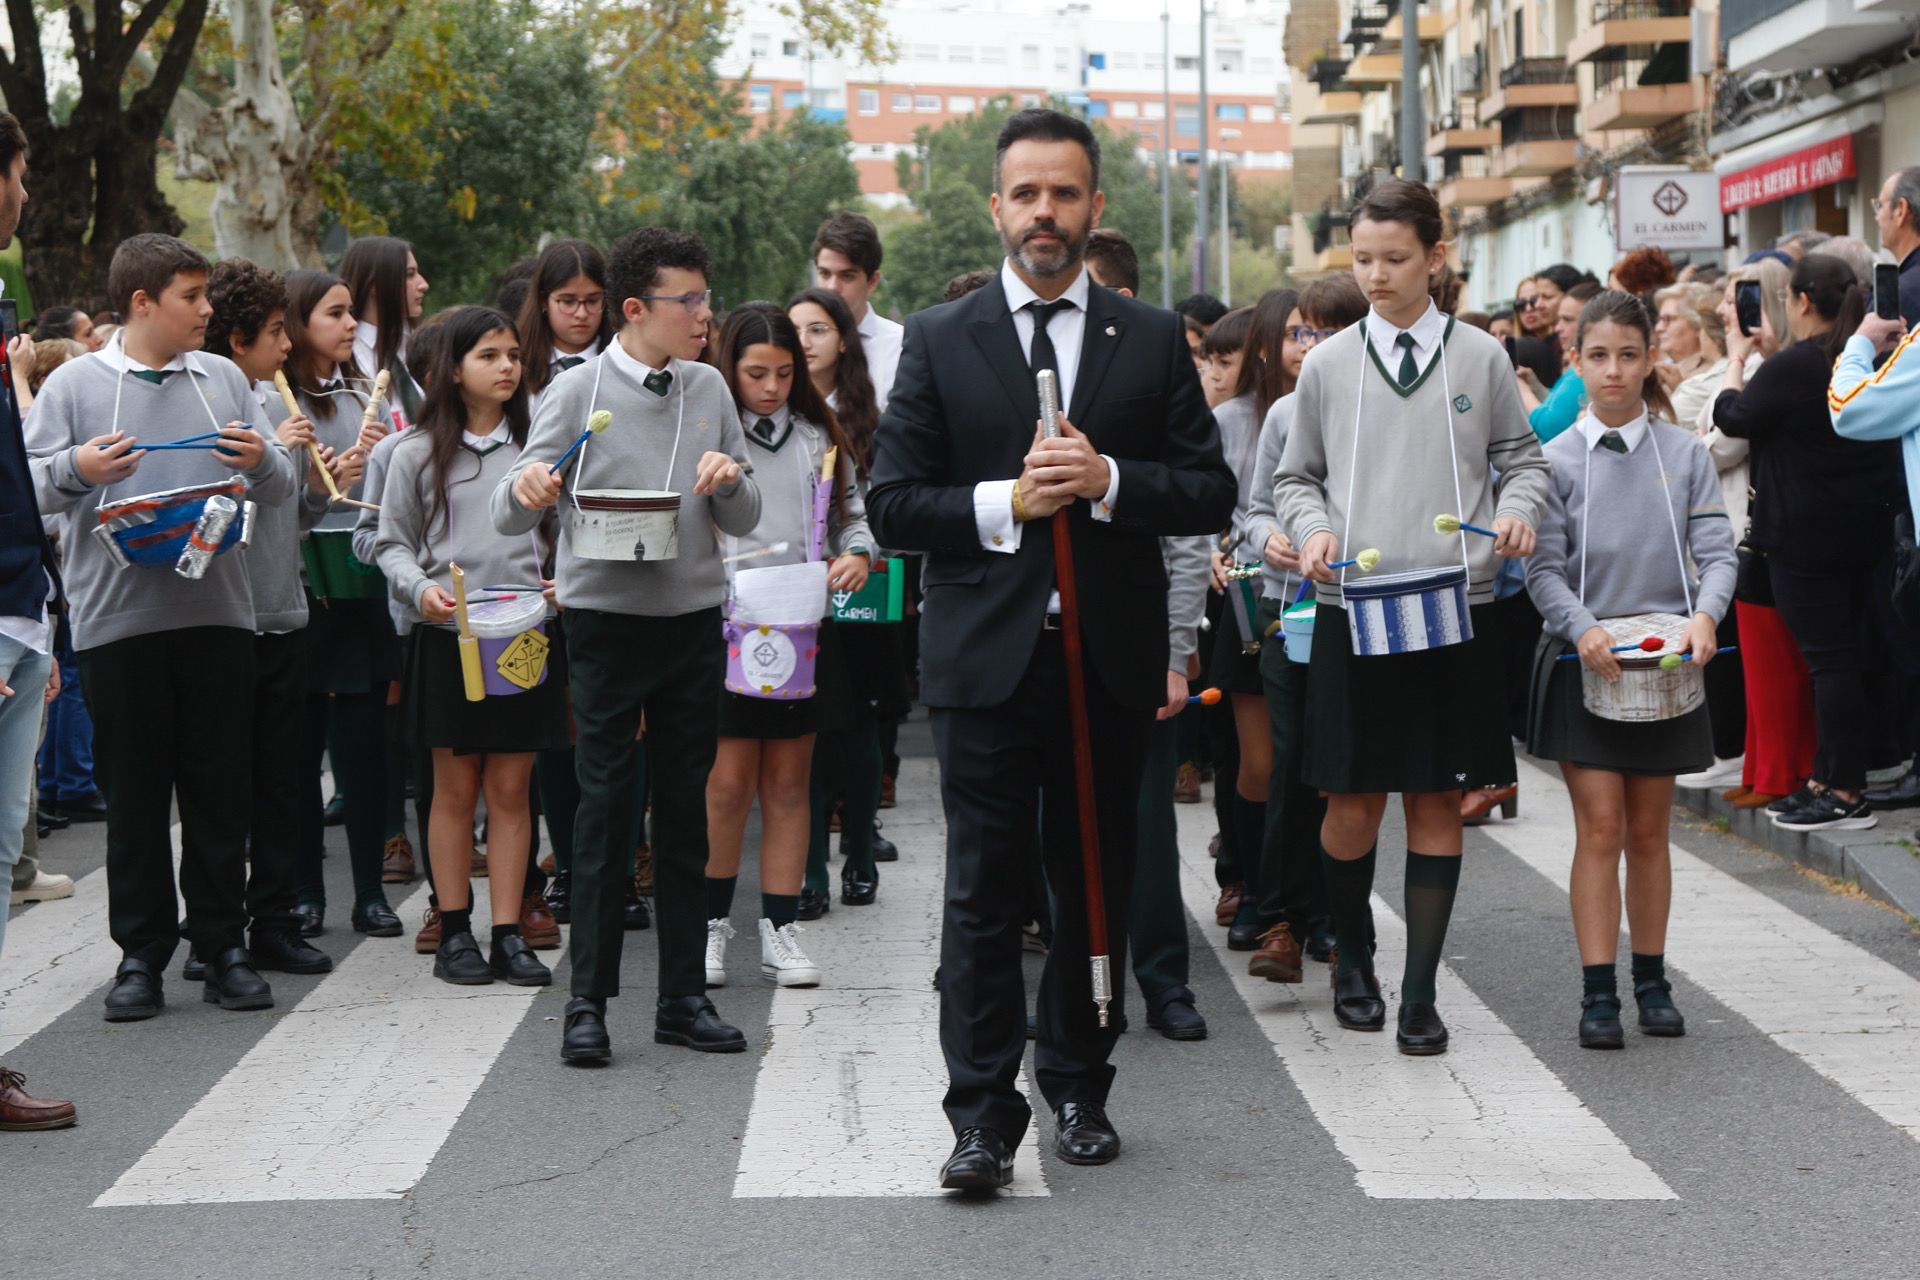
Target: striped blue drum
{"points": [[1408, 612]]}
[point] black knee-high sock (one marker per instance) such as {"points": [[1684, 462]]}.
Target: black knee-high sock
{"points": [[720, 896], [1431, 883], [1599, 980], [1349, 894], [1249, 836]]}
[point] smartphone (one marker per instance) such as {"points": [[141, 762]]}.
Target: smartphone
{"points": [[1513, 351], [1886, 290], [1746, 306], [9, 319]]}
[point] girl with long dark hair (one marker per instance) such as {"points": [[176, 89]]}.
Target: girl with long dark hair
{"points": [[564, 321], [389, 294]]}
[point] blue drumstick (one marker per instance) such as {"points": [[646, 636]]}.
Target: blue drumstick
{"points": [[1454, 524], [599, 420]]}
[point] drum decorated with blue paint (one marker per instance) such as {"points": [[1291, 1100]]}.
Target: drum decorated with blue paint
{"points": [[1408, 612], [153, 529]]}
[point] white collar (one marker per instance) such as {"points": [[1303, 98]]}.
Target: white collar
{"points": [[1019, 293], [499, 435], [587, 352], [868, 324], [779, 417], [1633, 433], [115, 354], [636, 369], [1427, 330]]}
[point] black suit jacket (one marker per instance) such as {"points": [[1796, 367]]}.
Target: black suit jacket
{"points": [[962, 410]]}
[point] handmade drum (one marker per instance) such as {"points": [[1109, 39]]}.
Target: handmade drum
{"points": [[625, 524], [1408, 612], [334, 572], [513, 643], [1644, 692], [1243, 597], [1297, 626], [773, 629], [883, 599], [153, 529]]}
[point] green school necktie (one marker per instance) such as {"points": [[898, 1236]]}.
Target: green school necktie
{"points": [[657, 382], [567, 362], [1612, 440], [763, 429], [155, 376], [1409, 371]]}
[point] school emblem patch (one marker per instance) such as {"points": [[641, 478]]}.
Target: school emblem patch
{"points": [[1461, 404]]}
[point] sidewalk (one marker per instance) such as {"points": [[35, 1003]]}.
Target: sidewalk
{"points": [[1884, 861]]}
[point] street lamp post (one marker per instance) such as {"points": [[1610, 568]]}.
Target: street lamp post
{"points": [[1226, 233], [1166, 157], [1412, 131], [1200, 170]]}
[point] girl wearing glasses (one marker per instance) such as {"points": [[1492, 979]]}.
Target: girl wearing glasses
{"points": [[564, 319]]}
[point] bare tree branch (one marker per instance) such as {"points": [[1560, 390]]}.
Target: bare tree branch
{"points": [[136, 34]]}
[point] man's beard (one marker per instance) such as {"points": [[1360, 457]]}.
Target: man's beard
{"points": [[1057, 261]]}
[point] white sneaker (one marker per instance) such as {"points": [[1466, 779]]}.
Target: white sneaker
{"points": [[782, 959], [718, 931], [1723, 773], [45, 888]]}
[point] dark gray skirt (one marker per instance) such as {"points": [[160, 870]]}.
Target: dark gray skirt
{"points": [[1428, 721], [434, 696], [1560, 728]]}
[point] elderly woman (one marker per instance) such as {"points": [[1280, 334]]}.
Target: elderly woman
{"points": [[1692, 342]]}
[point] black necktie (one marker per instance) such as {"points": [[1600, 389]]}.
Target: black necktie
{"points": [[764, 430], [1612, 440], [332, 388], [155, 376], [1408, 369], [657, 382], [567, 362], [1041, 355]]}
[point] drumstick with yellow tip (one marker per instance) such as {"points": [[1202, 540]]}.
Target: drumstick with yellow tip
{"points": [[1673, 661], [470, 675], [1454, 524], [597, 421], [1367, 561]]}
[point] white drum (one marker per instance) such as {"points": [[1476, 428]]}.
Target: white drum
{"points": [[1645, 691], [625, 524]]}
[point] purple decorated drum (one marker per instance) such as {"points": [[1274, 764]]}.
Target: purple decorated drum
{"points": [[513, 643], [772, 660]]}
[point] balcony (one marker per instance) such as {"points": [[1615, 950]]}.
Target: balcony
{"points": [[1631, 24], [1801, 35], [1375, 69], [1536, 158], [1529, 83], [1328, 73], [1433, 27], [1335, 108], [1473, 193], [1452, 138], [1364, 24], [1630, 95]]}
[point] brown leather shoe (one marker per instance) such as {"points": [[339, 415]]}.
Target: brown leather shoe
{"points": [[1477, 805], [547, 863], [1755, 800], [427, 941], [888, 784], [1735, 793], [643, 871], [20, 1113], [1186, 784], [479, 871], [1229, 905], [1278, 959], [397, 866], [537, 925]]}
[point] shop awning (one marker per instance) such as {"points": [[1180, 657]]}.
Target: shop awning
{"points": [[1815, 154]]}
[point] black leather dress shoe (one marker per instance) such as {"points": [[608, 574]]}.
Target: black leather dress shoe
{"points": [[1086, 1135], [981, 1161], [50, 820], [693, 1022], [814, 905], [335, 814], [136, 992], [1356, 1001], [283, 950], [376, 919], [311, 918], [91, 807], [884, 850], [1420, 1030], [560, 897], [1660, 1019], [583, 1035], [233, 983], [634, 915], [195, 969], [1600, 1022], [1244, 933], [1174, 1016], [459, 961], [1319, 943], [859, 888], [513, 961]]}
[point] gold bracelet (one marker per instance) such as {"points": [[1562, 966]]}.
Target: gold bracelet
{"points": [[1019, 507]]}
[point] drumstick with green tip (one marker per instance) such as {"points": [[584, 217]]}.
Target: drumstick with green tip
{"points": [[1454, 524], [599, 420], [1674, 661]]}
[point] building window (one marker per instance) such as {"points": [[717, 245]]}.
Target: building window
{"points": [[792, 98], [926, 52], [869, 102], [960, 105], [928, 102], [1156, 109], [1262, 113], [1230, 111], [759, 44], [1231, 60], [1127, 110], [760, 98], [790, 48], [1126, 61], [1030, 56], [993, 56], [1097, 109], [1186, 120], [903, 102], [960, 53], [1186, 62]]}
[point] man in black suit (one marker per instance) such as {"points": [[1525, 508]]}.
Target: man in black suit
{"points": [[960, 469]]}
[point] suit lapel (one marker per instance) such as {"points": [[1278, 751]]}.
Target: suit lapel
{"points": [[993, 333], [1104, 330]]}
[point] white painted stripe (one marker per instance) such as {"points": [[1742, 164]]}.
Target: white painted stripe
{"points": [[1839, 1008], [350, 1095], [847, 1102], [1485, 1121]]}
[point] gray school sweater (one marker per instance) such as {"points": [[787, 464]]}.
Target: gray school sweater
{"points": [[77, 403], [1404, 473], [1188, 561], [366, 529], [273, 561], [786, 472], [340, 433], [419, 541], [1239, 442], [1638, 499], [1263, 517], [633, 453]]}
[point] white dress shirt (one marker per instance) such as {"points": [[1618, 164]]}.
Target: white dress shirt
{"points": [[1427, 332], [1631, 434], [881, 338]]}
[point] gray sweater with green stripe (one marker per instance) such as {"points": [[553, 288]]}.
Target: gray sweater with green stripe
{"points": [[1386, 494]]}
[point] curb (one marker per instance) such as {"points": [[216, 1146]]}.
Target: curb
{"points": [[1884, 867]]}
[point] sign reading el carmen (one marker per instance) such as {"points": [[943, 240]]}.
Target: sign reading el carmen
{"points": [[1776, 179]]}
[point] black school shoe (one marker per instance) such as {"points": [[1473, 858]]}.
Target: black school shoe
{"points": [[634, 915], [813, 905], [513, 961], [136, 993], [459, 962], [884, 850], [283, 950], [1420, 1030], [1660, 1019], [1827, 811], [693, 1022], [376, 919], [583, 1036], [1600, 1022], [234, 984], [560, 897]]}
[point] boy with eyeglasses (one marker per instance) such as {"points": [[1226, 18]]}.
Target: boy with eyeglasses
{"points": [[643, 636]]}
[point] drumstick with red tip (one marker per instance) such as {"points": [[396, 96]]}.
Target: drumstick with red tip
{"points": [[1652, 644]]}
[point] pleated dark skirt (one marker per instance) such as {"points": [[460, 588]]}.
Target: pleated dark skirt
{"points": [[1230, 668], [1428, 721], [352, 647], [1560, 728], [434, 698], [830, 708]]}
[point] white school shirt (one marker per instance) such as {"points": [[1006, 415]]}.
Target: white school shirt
{"points": [[881, 338], [1427, 331], [1631, 434]]}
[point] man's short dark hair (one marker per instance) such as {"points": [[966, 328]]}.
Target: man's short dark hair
{"points": [[854, 237], [1111, 255], [13, 143], [1042, 124], [147, 263], [1201, 311], [967, 282], [638, 258], [244, 297]]}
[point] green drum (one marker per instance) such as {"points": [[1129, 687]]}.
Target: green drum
{"points": [[334, 573], [883, 599]]}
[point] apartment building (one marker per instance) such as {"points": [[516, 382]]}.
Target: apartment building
{"points": [[954, 56]]}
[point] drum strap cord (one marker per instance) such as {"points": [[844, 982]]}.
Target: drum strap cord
{"points": [[678, 390], [193, 376], [1673, 524]]}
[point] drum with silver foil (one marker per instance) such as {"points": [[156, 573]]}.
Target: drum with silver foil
{"points": [[216, 517], [154, 528], [1645, 690], [1408, 612]]}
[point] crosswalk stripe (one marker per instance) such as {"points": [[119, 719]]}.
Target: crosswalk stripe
{"points": [[1842, 1010], [350, 1095], [1485, 1121], [847, 1101]]}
